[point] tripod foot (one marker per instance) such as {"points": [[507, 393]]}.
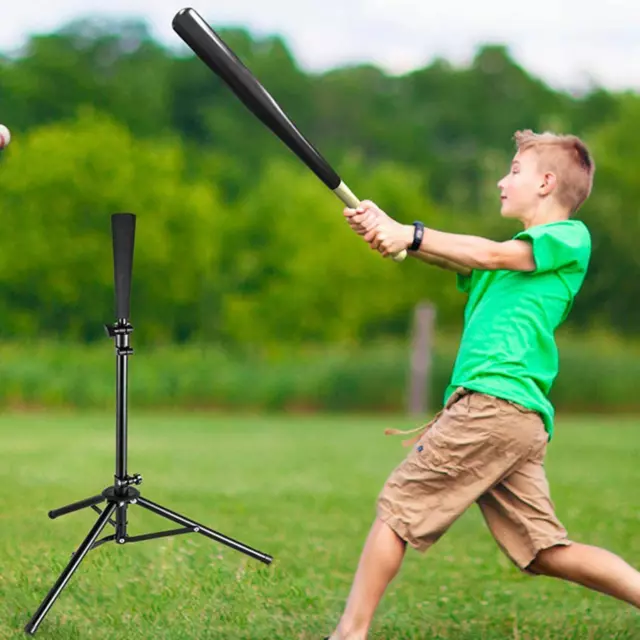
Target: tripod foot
{"points": [[65, 576], [205, 531]]}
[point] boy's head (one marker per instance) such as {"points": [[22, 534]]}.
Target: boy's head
{"points": [[548, 169]]}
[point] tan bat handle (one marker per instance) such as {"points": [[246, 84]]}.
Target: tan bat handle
{"points": [[349, 198]]}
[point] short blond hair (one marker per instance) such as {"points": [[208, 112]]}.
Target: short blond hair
{"points": [[569, 158]]}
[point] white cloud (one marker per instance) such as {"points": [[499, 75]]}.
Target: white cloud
{"points": [[564, 41]]}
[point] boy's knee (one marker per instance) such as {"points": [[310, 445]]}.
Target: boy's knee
{"points": [[540, 565], [546, 561]]}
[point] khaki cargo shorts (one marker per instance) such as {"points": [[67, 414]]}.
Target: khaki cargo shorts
{"points": [[477, 449]]}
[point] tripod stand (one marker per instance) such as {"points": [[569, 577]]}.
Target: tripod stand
{"points": [[123, 493]]}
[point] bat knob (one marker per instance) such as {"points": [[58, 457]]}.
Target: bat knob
{"points": [[400, 257]]}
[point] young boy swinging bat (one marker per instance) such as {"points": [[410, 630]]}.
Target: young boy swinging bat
{"points": [[488, 444]]}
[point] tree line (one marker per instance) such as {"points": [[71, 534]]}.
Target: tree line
{"points": [[236, 242]]}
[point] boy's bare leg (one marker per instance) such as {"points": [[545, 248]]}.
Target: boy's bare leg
{"points": [[379, 563], [592, 567]]}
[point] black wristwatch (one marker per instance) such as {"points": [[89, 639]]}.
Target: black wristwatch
{"points": [[418, 234]]}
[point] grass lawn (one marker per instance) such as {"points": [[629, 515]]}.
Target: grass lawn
{"points": [[302, 489]]}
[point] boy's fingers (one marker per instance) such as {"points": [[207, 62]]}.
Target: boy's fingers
{"points": [[370, 235], [363, 220]]}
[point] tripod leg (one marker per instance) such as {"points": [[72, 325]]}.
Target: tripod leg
{"points": [[209, 533], [70, 569], [76, 506]]}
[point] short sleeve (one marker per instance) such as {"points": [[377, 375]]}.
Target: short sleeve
{"points": [[559, 245]]}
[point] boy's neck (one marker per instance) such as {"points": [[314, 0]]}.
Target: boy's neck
{"points": [[545, 216]]}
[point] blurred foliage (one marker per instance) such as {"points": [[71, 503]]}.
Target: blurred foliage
{"points": [[596, 374], [56, 268], [237, 243]]}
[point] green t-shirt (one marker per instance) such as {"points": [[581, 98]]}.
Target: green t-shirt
{"points": [[508, 347]]}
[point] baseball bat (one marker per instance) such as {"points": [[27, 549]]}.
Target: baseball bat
{"points": [[213, 51]]}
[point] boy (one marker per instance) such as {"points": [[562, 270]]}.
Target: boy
{"points": [[488, 443]]}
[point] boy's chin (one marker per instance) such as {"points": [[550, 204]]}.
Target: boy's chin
{"points": [[506, 212]]}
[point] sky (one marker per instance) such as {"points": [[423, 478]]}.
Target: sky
{"points": [[570, 44]]}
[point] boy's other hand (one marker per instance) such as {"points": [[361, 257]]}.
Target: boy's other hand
{"points": [[390, 237]]}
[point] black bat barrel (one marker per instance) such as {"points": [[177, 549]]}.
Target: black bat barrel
{"points": [[213, 51]]}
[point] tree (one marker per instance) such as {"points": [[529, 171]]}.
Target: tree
{"points": [[58, 187], [613, 216], [115, 67], [295, 273]]}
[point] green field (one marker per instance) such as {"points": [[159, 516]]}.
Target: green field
{"points": [[302, 489]]}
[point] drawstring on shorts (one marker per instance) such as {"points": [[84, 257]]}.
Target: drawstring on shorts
{"points": [[459, 393]]}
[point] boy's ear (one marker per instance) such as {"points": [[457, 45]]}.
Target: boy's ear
{"points": [[548, 184]]}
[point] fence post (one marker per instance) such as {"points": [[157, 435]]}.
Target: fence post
{"points": [[421, 359]]}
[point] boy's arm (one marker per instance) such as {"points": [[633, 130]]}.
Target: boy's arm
{"points": [[472, 252], [463, 253], [370, 218], [439, 261]]}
